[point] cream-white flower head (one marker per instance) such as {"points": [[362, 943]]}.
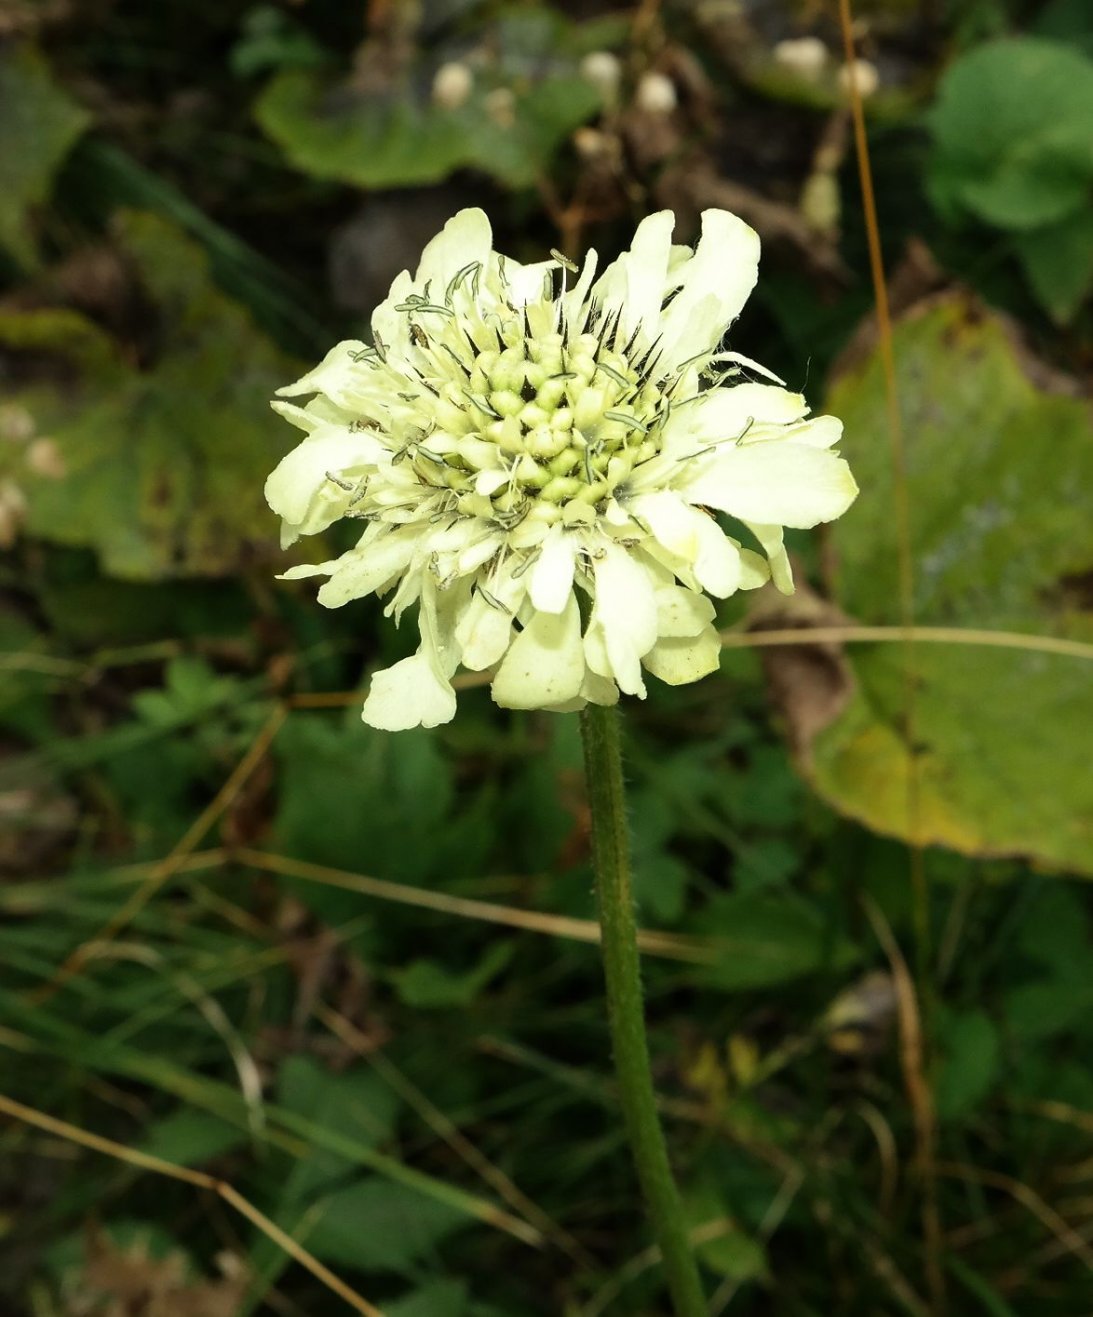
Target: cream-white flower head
{"points": [[535, 457]]}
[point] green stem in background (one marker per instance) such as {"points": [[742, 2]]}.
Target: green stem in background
{"points": [[622, 971]]}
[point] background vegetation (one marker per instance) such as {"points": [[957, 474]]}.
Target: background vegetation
{"points": [[348, 973]]}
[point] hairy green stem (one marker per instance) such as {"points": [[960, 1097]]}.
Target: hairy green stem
{"points": [[622, 971]]}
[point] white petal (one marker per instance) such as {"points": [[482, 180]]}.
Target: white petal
{"points": [[483, 633], [361, 571], [695, 537], [595, 649], [550, 582], [390, 326], [645, 270], [729, 412], [755, 570], [299, 488], [410, 694], [716, 284], [527, 283], [817, 432], [574, 301], [489, 482], [298, 416], [774, 482], [626, 610], [681, 612], [670, 519], [465, 238], [770, 537], [340, 375], [545, 663], [306, 569], [678, 661], [598, 690], [738, 359]]}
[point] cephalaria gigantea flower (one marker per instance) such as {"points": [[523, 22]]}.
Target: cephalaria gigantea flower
{"points": [[537, 458]]}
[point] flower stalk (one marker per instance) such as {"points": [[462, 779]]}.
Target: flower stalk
{"points": [[600, 733]]}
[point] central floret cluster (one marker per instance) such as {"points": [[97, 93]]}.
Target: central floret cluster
{"points": [[574, 419], [515, 445]]}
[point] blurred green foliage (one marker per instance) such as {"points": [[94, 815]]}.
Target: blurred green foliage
{"points": [[364, 1002], [1013, 149]]}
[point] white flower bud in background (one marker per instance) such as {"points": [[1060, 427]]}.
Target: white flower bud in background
{"points": [[16, 423], [501, 106], [821, 204], [591, 143], [656, 94], [861, 74], [44, 459], [13, 511], [536, 456], [452, 85], [604, 71], [805, 56]]}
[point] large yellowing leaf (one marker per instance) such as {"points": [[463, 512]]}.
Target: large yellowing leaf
{"points": [[1000, 481], [157, 466]]}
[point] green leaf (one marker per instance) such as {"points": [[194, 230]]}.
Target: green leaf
{"points": [[1058, 262], [731, 1253], [357, 1102], [970, 1062], [189, 1137], [191, 690], [768, 938], [443, 1298], [1000, 486], [426, 985], [392, 139], [162, 468], [38, 125], [26, 674], [361, 800], [1048, 1007], [1011, 133], [378, 1226]]}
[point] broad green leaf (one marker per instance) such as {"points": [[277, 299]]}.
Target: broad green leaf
{"points": [[768, 938], [375, 1225], [361, 800], [357, 1101], [969, 1066], [396, 139], [189, 1137], [426, 985], [1000, 486], [38, 125], [160, 469], [441, 1298], [1058, 262], [732, 1252], [1011, 133]]}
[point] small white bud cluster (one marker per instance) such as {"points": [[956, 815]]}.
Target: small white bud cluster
{"points": [[805, 56], [452, 85], [604, 71], [862, 75], [40, 455], [656, 94]]}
